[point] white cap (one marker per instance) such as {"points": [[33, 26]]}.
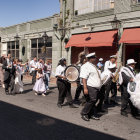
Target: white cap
{"points": [[90, 55], [113, 56], [101, 59], [112, 66], [131, 61]]}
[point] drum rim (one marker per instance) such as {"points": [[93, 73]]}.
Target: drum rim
{"points": [[76, 68]]}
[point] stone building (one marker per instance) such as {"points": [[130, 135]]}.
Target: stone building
{"points": [[106, 27], [96, 25]]}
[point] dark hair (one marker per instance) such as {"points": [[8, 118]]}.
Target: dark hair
{"points": [[61, 62], [40, 71]]}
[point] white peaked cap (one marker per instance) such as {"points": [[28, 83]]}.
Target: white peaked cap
{"points": [[90, 55], [101, 59], [113, 56], [112, 66], [131, 61]]}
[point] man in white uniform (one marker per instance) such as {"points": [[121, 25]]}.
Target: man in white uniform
{"points": [[111, 86], [91, 84], [106, 77]]}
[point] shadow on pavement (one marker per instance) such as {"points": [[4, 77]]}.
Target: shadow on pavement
{"points": [[17, 123]]}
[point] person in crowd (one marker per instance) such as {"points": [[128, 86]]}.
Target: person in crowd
{"points": [[18, 87], [9, 75], [49, 67], [106, 77], [39, 86], [79, 82], [2, 72], [47, 74], [39, 64], [127, 74], [91, 83], [27, 68], [111, 86], [33, 69], [64, 87], [100, 64]]}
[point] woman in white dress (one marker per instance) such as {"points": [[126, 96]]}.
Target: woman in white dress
{"points": [[18, 83], [39, 86]]}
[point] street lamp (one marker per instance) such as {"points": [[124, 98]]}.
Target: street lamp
{"points": [[45, 38], [16, 37], [62, 31], [115, 23]]}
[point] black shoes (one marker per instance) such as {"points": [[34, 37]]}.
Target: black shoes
{"points": [[95, 117], [85, 117], [123, 113]]}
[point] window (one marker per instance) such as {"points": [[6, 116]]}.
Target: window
{"points": [[13, 49], [87, 6], [135, 1], [39, 50]]}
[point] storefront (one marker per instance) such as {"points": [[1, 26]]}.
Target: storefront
{"points": [[103, 43], [131, 47]]}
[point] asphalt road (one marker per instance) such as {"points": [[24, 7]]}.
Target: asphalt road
{"points": [[29, 117]]}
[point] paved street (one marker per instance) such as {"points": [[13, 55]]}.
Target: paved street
{"points": [[29, 117]]}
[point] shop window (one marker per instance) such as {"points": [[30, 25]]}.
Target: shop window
{"points": [[39, 50], [13, 49]]}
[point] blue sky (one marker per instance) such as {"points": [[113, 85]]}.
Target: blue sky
{"points": [[19, 11]]}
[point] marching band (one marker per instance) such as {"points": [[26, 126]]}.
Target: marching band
{"points": [[95, 80]]}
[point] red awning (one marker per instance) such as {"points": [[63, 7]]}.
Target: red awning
{"points": [[131, 36], [98, 39]]}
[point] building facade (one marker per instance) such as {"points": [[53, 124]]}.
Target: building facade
{"points": [[77, 17]]}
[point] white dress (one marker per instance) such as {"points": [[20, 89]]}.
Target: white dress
{"points": [[18, 82], [135, 94], [39, 86]]}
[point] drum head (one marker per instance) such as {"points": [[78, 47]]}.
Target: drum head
{"points": [[72, 73], [132, 86]]}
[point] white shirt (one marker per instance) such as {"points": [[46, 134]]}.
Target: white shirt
{"points": [[33, 64], [91, 73], [60, 70], [39, 65], [49, 68], [9, 62]]}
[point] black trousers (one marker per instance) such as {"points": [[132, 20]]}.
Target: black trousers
{"points": [[78, 90], [64, 89], [111, 86], [101, 97], [9, 83], [91, 99], [125, 101], [34, 77]]}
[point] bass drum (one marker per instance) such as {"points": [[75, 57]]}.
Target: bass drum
{"points": [[72, 73]]}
